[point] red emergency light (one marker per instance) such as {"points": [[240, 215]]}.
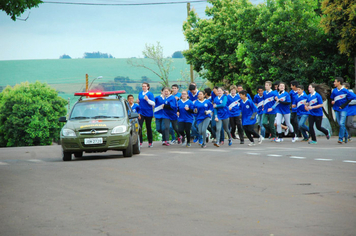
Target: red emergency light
{"points": [[99, 94]]}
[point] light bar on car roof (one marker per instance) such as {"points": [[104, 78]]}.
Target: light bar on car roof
{"points": [[99, 94]]}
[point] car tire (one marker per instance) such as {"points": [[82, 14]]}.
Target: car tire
{"points": [[67, 156], [137, 147], [128, 152], [78, 154]]}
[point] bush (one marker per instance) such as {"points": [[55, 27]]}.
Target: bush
{"points": [[29, 115]]}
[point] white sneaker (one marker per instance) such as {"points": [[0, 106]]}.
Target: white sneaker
{"points": [[260, 140], [278, 140], [184, 143], [286, 132], [251, 144], [295, 139]]}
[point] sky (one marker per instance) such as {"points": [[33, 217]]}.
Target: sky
{"points": [[122, 31]]}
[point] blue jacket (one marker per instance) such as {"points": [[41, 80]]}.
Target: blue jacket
{"points": [[171, 113], [221, 111], [247, 109], [340, 97], [283, 106], [293, 96], [146, 109], [315, 100], [158, 111], [300, 102], [259, 101], [184, 115], [234, 104], [202, 107], [269, 101]]}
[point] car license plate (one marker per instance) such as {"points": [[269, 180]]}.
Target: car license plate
{"points": [[89, 141]]}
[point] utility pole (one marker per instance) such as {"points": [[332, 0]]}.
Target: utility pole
{"points": [[86, 83], [190, 46]]}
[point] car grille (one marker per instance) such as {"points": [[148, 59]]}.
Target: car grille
{"points": [[93, 131]]}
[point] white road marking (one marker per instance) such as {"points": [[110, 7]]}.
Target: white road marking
{"points": [[178, 152], [213, 150], [347, 161], [295, 157], [253, 153], [274, 155], [3, 164], [35, 160], [321, 159]]}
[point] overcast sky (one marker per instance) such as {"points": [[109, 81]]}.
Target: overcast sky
{"points": [[122, 31]]}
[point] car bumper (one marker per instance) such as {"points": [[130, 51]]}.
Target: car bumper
{"points": [[112, 142]]}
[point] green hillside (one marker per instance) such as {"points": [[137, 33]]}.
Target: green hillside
{"points": [[68, 71], [68, 75]]}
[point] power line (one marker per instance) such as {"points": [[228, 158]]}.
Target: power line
{"points": [[123, 4]]}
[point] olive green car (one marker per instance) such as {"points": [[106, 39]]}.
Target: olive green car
{"points": [[99, 124]]}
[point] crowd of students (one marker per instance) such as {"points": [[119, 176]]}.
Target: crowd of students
{"points": [[188, 115]]}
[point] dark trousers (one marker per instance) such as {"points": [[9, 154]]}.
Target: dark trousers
{"points": [[167, 123], [148, 128], [236, 121], [249, 130], [317, 120], [184, 130], [294, 122]]}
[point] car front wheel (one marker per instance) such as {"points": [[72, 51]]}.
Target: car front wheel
{"points": [[129, 150], [67, 156]]}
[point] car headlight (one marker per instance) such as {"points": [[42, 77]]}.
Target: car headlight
{"points": [[68, 133], [119, 129]]}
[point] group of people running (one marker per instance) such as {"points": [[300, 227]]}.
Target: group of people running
{"points": [[191, 113]]}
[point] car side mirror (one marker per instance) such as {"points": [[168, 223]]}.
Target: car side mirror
{"points": [[133, 115], [62, 119]]}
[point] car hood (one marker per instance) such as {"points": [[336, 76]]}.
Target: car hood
{"points": [[108, 123]]}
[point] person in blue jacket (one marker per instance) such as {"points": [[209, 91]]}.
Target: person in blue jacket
{"points": [[177, 95], [221, 111], [134, 106], [269, 117], [170, 114], [147, 102], [258, 100], [233, 103], [282, 107], [249, 113], [185, 117], [203, 109], [193, 96], [314, 106], [341, 98], [302, 115], [293, 115], [351, 111], [159, 115]]}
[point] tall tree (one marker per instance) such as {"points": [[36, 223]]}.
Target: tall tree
{"points": [[155, 54], [339, 17], [15, 8]]}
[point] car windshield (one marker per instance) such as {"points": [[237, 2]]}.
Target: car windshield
{"points": [[97, 110]]}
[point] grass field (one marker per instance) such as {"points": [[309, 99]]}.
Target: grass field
{"points": [[68, 75], [72, 71]]}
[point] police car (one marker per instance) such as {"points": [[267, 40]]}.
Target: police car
{"points": [[98, 122]]}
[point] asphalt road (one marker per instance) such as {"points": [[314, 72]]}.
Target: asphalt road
{"points": [[270, 189]]}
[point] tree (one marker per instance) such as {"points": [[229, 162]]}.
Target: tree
{"points": [[155, 54], [281, 40], [97, 55], [339, 17], [64, 56], [15, 8], [29, 115], [178, 54]]}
